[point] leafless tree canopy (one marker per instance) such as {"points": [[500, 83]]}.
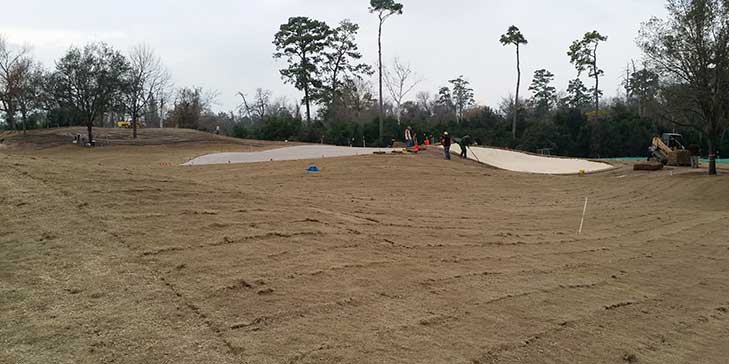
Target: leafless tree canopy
{"points": [[259, 107], [400, 80], [425, 101], [16, 72], [147, 79]]}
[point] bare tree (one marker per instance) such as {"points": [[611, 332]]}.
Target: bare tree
{"points": [[164, 96], [190, 105], [425, 101], [358, 98], [246, 106], [145, 79], [400, 80], [262, 101], [260, 105], [14, 69], [31, 96]]}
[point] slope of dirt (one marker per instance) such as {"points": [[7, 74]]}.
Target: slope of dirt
{"points": [[112, 255], [49, 138]]}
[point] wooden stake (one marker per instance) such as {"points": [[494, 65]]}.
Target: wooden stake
{"points": [[584, 211]]}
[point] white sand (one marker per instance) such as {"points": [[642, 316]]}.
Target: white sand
{"points": [[299, 152], [522, 162]]}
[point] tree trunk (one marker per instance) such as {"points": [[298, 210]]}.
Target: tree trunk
{"points": [[333, 105], [10, 116], [24, 117], [162, 113], [134, 125], [640, 107], [597, 95], [597, 83], [712, 157], [89, 127], [516, 100], [332, 111], [306, 89], [382, 103], [306, 100]]}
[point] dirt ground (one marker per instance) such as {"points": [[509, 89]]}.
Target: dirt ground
{"points": [[119, 255]]}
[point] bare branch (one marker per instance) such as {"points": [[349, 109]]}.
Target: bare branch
{"points": [[400, 80]]}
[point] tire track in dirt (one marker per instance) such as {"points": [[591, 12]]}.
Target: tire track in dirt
{"points": [[530, 350], [152, 271], [231, 241]]}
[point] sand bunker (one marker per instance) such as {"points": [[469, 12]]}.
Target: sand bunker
{"points": [[522, 162], [284, 154]]}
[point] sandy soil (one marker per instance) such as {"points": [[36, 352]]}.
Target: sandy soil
{"points": [[114, 255], [300, 152], [530, 163], [105, 137]]}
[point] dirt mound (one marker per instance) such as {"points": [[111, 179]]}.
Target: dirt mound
{"points": [[49, 138], [648, 166]]}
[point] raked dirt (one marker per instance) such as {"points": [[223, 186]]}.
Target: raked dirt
{"points": [[118, 254]]}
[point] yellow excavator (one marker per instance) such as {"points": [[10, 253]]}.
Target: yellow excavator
{"points": [[669, 150]]}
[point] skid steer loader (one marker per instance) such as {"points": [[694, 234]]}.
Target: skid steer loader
{"points": [[669, 150]]}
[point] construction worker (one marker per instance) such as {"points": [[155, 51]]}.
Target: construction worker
{"points": [[464, 143], [445, 141], [408, 137]]}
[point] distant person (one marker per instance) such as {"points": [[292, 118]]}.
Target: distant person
{"points": [[464, 143], [445, 141], [408, 137], [695, 157], [217, 130]]}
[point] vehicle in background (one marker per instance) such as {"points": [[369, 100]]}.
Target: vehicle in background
{"points": [[669, 150], [128, 125]]}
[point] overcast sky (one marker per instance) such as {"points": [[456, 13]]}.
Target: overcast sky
{"points": [[226, 44]]}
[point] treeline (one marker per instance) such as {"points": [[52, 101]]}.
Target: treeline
{"points": [[672, 91], [682, 85], [96, 85], [620, 131]]}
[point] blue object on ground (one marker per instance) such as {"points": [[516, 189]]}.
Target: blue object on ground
{"points": [[313, 169]]}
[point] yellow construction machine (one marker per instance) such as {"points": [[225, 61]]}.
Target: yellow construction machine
{"points": [[669, 150], [127, 125]]}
